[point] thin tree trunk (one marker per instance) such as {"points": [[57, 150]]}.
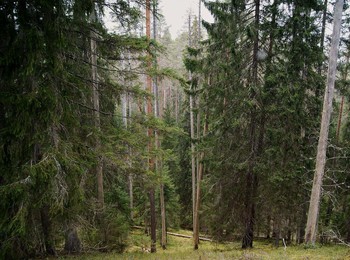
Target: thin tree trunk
{"points": [[198, 191], [163, 217], [177, 105], [199, 156], [311, 226], [251, 178], [150, 134], [97, 121], [348, 228], [193, 158], [159, 166], [131, 194], [340, 118], [72, 241], [323, 32], [46, 222]]}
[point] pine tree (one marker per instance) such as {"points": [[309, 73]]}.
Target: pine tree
{"points": [[311, 226]]}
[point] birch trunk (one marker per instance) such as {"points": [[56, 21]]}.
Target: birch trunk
{"points": [[311, 225]]}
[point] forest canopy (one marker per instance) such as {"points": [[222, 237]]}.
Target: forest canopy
{"points": [[109, 124]]}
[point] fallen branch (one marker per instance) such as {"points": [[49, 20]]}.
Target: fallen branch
{"points": [[180, 235], [335, 236]]}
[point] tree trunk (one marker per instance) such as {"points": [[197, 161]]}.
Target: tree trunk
{"points": [[277, 234], [163, 217], [159, 166], [348, 231], [47, 230], [323, 33], [45, 218], [251, 179], [311, 226], [131, 195], [340, 118], [72, 241], [198, 193], [193, 158], [153, 221], [97, 121], [199, 156], [302, 223], [150, 134]]}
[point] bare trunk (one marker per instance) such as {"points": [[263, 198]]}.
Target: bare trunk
{"points": [[153, 221], [340, 118], [323, 32], [193, 158], [131, 176], [198, 195], [97, 121], [159, 166], [150, 134], [176, 105], [131, 195], [348, 230], [163, 217], [311, 226], [200, 166], [126, 111], [251, 178], [324, 20]]}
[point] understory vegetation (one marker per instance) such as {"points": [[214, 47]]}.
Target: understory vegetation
{"points": [[180, 248]]}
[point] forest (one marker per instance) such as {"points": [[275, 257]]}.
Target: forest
{"points": [[235, 131]]}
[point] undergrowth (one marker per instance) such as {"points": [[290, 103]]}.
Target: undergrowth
{"points": [[181, 248]]}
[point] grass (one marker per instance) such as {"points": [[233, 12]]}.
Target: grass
{"points": [[181, 248]]}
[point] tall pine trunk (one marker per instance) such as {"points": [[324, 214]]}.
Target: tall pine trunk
{"points": [[192, 134], [159, 165], [200, 155], [311, 225], [96, 107], [251, 178], [150, 134]]}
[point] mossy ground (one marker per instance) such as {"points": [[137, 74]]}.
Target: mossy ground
{"points": [[181, 248]]}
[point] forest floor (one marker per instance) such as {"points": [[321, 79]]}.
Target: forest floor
{"points": [[181, 248]]}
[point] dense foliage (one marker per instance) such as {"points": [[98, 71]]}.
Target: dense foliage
{"points": [[74, 161]]}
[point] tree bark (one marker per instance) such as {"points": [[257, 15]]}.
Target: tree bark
{"points": [[150, 134], [323, 33], [311, 226], [200, 156], [72, 241], [193, 158], [163, 217], [96, 106], [46, 222], [47, 230], [198, 192], [251, 178], [159, 166], [340, 118]]}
